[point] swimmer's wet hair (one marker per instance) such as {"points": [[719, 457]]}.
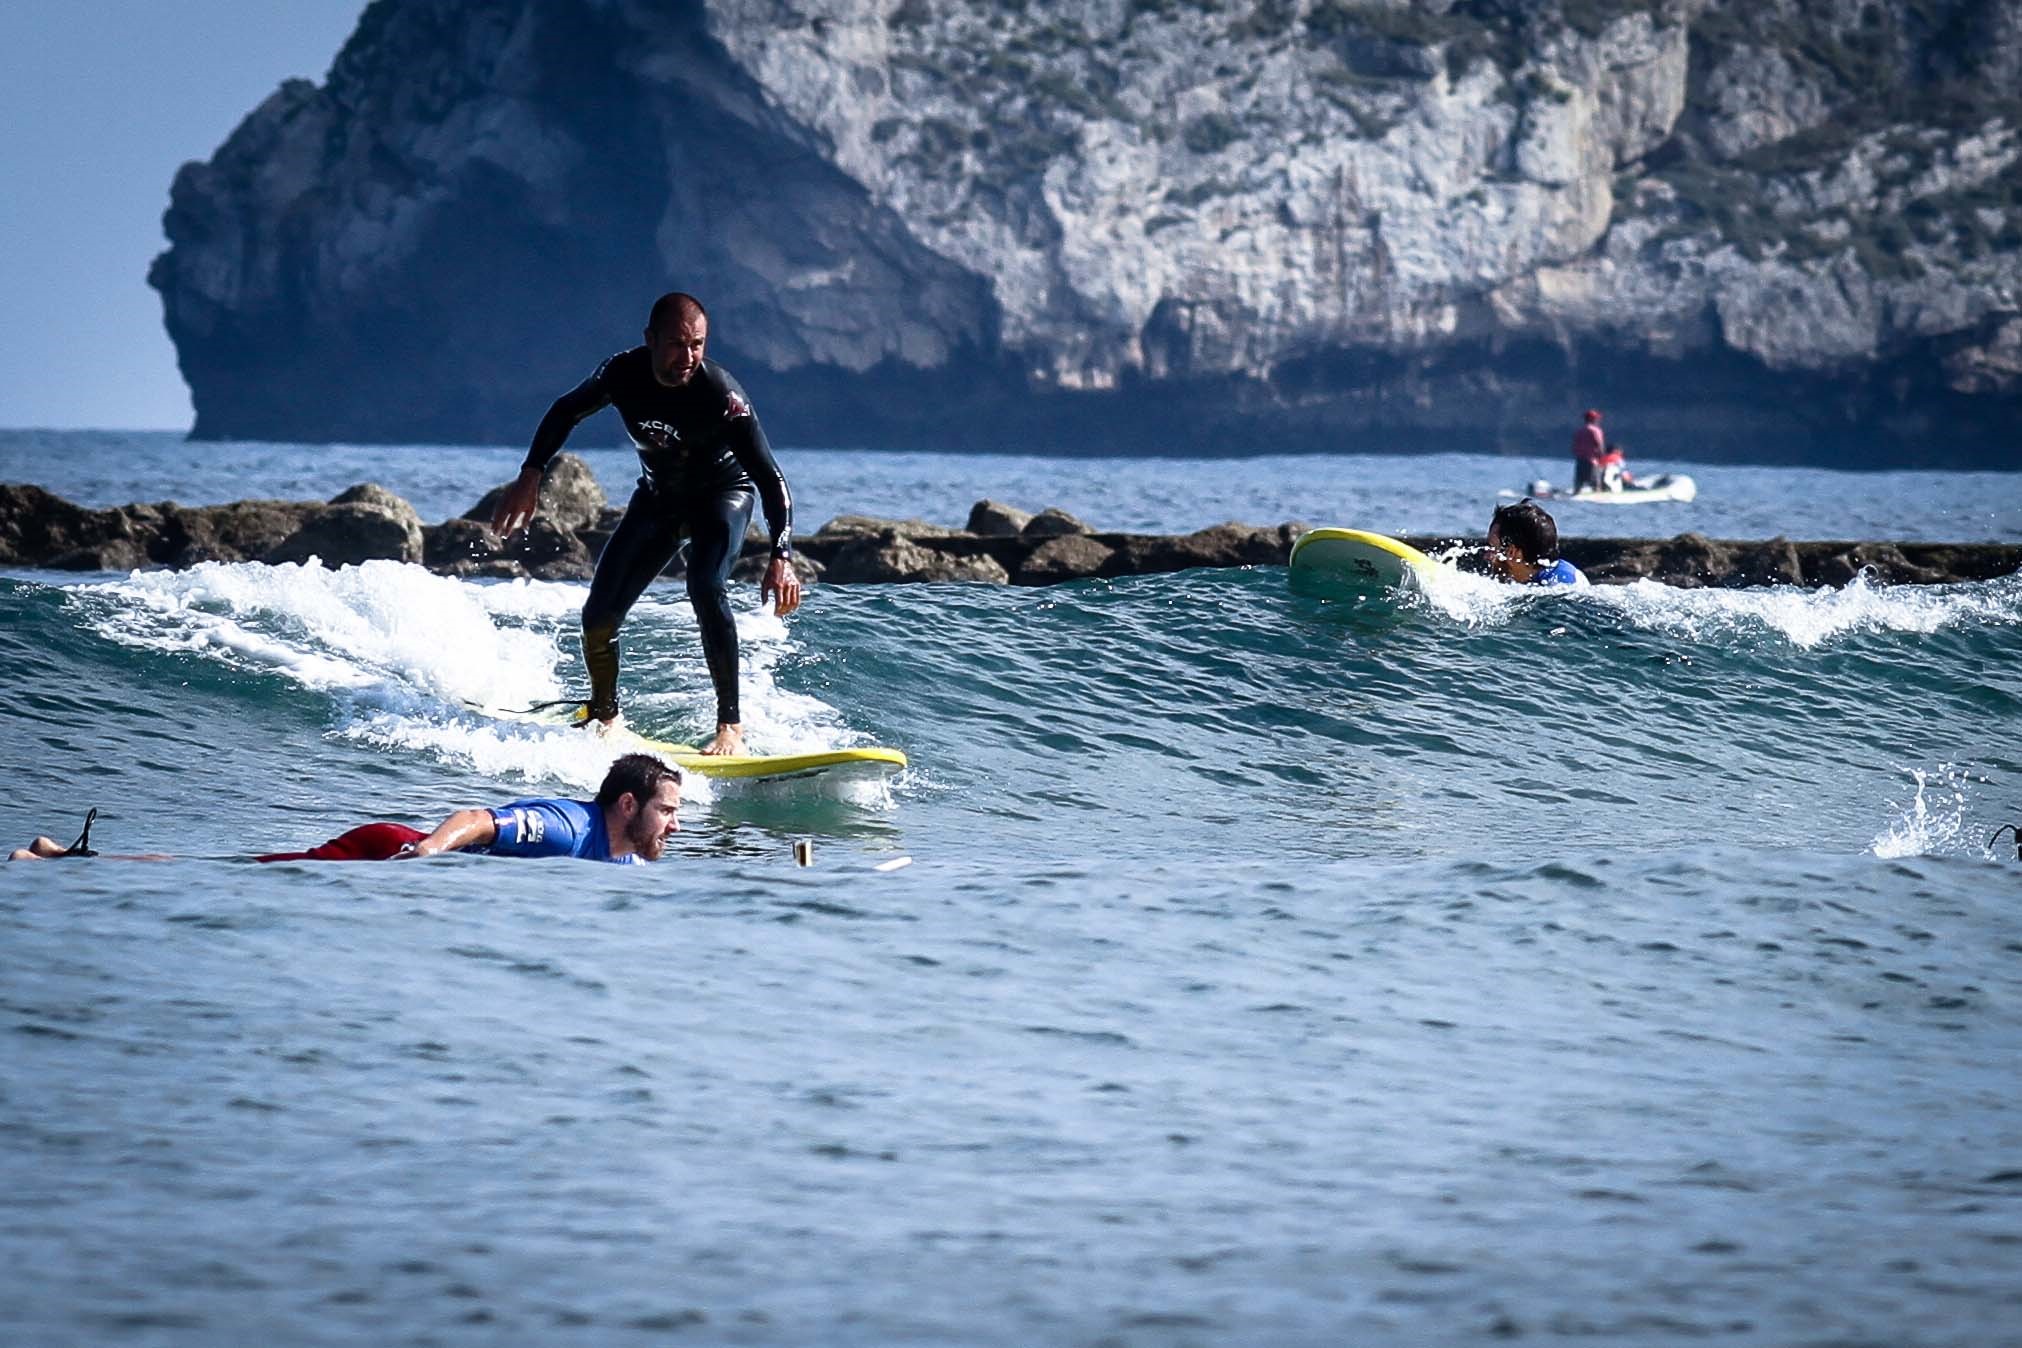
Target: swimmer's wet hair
{"points": [[635, 775], [1525, 526]]}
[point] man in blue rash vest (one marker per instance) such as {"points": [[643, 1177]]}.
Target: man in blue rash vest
{"points": [[1523, 546], [704, 457], [635, 811]]}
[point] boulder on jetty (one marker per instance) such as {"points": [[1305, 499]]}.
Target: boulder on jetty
{"points": [[570, 496], [888, 555], [1067, 557], [1052, 522], [1693, 561], [43, 530], [360, 524], [993, 519], [1001, 545]]}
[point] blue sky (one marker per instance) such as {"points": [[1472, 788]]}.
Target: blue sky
{"points": [[100, 102]]}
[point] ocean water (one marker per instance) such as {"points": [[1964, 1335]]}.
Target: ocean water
{"points": [[1393, 494], [1627, 966]]}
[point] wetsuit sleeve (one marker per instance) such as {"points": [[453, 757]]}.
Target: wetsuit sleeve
{"points": [[565, 414], [533, 828], [746, 440]]}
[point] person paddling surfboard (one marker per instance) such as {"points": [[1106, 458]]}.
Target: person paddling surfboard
{"points": [[704, 456], [635, 812]]}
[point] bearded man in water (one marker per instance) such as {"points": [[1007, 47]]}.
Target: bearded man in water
{"points": [[635, 812]]}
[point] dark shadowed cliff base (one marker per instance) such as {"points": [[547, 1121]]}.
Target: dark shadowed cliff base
{"points": [[1720, 410], [1753, 230]]}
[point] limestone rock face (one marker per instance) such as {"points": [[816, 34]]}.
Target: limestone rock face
{"points": [[1742, 226]]}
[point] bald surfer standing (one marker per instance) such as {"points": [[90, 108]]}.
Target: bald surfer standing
{"points": [[704, 458]]}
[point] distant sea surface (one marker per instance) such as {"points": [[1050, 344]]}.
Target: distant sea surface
{"points": [[1393, 494], [1629, 966]]}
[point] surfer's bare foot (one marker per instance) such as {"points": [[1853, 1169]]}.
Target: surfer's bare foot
{"points": [[42, 849], [729, 740]]}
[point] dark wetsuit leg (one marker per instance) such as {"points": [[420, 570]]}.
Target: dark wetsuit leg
{"points": [[716, 526], [640, 550], [1586, 476]]}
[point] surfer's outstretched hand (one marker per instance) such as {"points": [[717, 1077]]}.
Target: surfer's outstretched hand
{"points": [[516, 508], [782, 585]]}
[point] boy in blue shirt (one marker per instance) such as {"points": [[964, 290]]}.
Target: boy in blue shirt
{"points": [[1523, 546]]}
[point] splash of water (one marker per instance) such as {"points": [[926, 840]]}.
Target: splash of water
{"points": [[1934, 820], [381, 627], [1809, 618], [413, 659]]}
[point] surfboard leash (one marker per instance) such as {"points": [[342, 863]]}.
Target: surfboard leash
{"points": [[82, 847], [558, 702], [528, 710], [2015, 829]]}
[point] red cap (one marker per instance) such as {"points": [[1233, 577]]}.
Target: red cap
{"points": [[1592, 415]]}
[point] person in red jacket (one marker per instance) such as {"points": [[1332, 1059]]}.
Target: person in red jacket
{"points": [[1614, 470]]}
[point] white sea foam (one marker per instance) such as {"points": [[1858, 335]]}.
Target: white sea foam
{"points": [[382, 627], [1473, 599], [1805, 618], [413, 657], [533, 753], [1808, 618]]}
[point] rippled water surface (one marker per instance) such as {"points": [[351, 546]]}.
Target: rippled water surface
{"points": [[1430, 493], [1629, 966]]}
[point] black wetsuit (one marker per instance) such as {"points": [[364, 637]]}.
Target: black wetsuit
{"points": [[705, 456]]}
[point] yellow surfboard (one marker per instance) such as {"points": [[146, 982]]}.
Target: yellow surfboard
{"points": [[865, 763], [1338, 560]]}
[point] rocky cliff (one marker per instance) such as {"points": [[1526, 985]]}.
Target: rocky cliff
{"points": [[1783, 229]]}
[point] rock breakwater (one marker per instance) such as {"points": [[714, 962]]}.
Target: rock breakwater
{"points": [[1000, 544]]}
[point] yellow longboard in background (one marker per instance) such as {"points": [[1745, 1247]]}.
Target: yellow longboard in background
{"points": [[1338, 560]]}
